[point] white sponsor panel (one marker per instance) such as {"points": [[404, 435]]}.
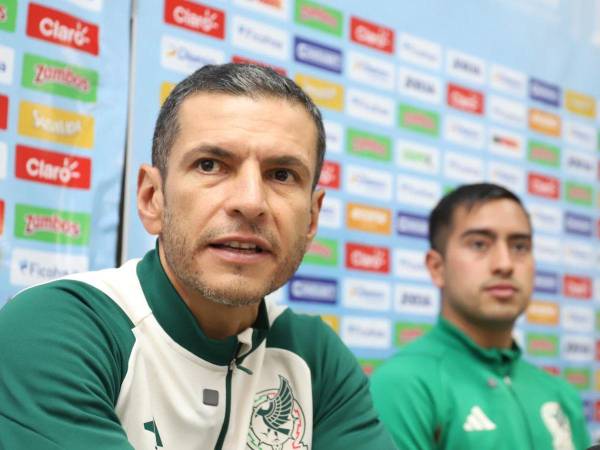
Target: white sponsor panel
{"points": [[185, 56], [412, 299], [418, 157], [334, 134], [508, 81], [92, 5], [372, 71], [28, 267], [546, 249], [596, 290], [277, 9], [367, 294], [419, 86], [466, 67], [7, 64], [463, 168], [3, 159], [464, 132], [417, 191], [545, 218], [370, 107], [371, 183], [507, 175], [419, 51], [261, 38], [577, 318], [507, 112], [577, 348], [331, 212], [580, 164], [580, 135], [366, 332], [579, 254], [410, 264], [506, 143]]}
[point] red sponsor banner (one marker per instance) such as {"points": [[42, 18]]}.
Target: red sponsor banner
{"points": [[59, 169], [195, 17], [63, 29], [597, 410], [3, 112], [372, 35], [2, 208], [465, 99], [552, 370], [330, 175], [598, 350], [243, 60], [543, 185], [577, 287], [367, 258]]}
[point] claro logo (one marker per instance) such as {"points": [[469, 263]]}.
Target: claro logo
{"points": [[196, 17], [58, 169], [372, 35], [63, 29], [367, 258], [577, 287]]}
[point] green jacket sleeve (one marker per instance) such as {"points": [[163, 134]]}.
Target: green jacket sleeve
{"points": [[405, 402], [61, 369]]}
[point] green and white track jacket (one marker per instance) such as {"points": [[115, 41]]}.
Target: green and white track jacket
{"points": [[114, 360]]}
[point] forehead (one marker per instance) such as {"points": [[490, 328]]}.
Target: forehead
{"points": [[501, 217]]}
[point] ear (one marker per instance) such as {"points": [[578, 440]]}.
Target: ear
{"points": [[435, 264], [150, 200], [315, 209]]}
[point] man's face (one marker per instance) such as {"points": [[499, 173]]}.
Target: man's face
{"points": [[487, 270], [238, 206]]}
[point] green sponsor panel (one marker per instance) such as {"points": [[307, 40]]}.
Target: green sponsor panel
{"points": [[322, 252], [368, 145], [419, 120], [369, 365], [58, 78], [50, 225], [319, 17], [539, 344], [580, 377], [597, 320], [543, 153], [409, 331], [579, 193], [8, 15]]}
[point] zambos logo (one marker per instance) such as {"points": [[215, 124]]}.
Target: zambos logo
{"points": [[419, 120], [578, 377], [578, 193], [8, 15], [319, 17], [322, 92], [322, 252], [543, 153], [55, 77], [542, 344], [409, 331], [53, 226], [56, 125], [368, 145], [581, 104]]}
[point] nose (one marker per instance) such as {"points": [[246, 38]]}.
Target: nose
{"points": [[502, 263], [247, 197]]}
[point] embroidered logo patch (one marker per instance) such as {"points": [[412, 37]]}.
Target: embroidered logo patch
{"points": [[277, 420], [558, 425]]}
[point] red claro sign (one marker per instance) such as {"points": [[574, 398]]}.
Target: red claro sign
{"points": [[367, 258], [465, 99], [59, 28], [330, 175], [372, 35], [195, 17]]}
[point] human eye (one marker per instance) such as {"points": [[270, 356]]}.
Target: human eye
{"points": [[521, 247], [208, 165], [478, 244], [283, 175]]}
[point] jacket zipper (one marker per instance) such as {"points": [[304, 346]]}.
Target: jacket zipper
{"points": [[223, 433]]}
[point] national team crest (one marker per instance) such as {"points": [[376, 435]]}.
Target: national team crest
{"points": [[277, 421]]}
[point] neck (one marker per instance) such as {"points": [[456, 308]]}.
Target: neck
{"points": [[216, 320], [488, 335]]}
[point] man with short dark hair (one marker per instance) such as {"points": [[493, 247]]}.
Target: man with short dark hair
{"points": [[464, 384], [179, 350]]}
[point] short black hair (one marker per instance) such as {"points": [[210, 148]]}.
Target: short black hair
{"points": [[466, 196], [247, 80]]}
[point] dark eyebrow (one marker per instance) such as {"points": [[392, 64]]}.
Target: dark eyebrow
{"points": [[492, 235], [211, 150]]}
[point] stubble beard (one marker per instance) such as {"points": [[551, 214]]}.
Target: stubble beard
{"points": [[180, 253]]}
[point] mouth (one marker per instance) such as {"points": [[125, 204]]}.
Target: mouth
{"points": [[503, 290], [239, 247]]}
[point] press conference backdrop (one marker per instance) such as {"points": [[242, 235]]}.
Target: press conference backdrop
{"points": [[417, 98]]}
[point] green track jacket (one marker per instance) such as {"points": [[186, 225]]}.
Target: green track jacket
{"points": [[445, 392], [114, 360]]}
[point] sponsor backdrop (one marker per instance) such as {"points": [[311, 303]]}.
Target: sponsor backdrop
{"points": [[63, 101]]}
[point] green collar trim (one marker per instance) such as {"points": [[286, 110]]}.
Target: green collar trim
{"points": [[177, 320], [502, 359]]}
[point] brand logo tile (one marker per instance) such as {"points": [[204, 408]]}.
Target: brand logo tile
{"points": [[464, 132], [3, 112], [367, 258], [463, 168], [322, 252], [413, 225], [579, 193], [319, 17], [323, 93], [28, 267], [331, 213], [419, 51], [8, 15], [507, 112], [578, 224], [420, 86], [368, 218], [580, 135], [464, 99], [318, 55], [577, 318], [547, 249], [578, 254], [578, 287], [313, 290], [367, 294], [580, 164], [417, 157], [334, 134], [2, 209], [407, 332], [544, 122], [330, 175], [372, 35], [3, 159], [544, 92], [371, 183], [195, 17], [581, 104], [506, 143], [545, 218], [52, 226], [419, 120], [543, 313], [543, 185], [466, 67], [543, 153], [419, 300], [185, 57], [508, 81], [7, 63], [410, 264], [577, 348], [368, 145], [417, 191], [578, 377], [539, 344], [276, 8], [546, 282], [375, 72], [370, 107], [370, 332], [507, 175]]}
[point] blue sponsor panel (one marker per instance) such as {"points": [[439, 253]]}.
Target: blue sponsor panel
{"points": [[544, 92], [313, 290], [578, 224], [547, 282], [413, 225], [318, 55]]}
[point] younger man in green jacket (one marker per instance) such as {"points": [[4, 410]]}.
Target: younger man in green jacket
{"points": [[464, 385]]}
